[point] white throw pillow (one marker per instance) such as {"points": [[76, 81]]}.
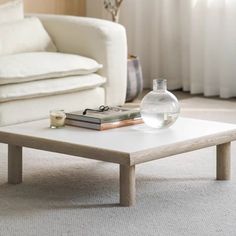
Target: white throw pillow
{"points": [[11, 11], [27, 35], [24, 67]]}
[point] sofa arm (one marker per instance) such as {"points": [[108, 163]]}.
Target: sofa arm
{"points": [[102, 40]]}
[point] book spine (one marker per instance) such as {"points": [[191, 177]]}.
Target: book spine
{"points": [[82, 124], [127, 116], [104, 126]]}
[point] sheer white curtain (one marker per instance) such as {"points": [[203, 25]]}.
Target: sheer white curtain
{"points": [[192, 43]]}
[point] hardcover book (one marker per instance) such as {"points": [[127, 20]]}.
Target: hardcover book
{"points": [[112, 115]]}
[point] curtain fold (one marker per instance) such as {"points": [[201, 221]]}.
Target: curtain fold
{"points": [[192, 43]]}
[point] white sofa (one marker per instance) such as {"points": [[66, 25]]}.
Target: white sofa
{"points": [[100, 40]]}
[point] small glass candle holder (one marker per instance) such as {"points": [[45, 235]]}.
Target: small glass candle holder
{"points": [[57, 119]]}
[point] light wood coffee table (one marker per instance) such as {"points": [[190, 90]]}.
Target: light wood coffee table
{"points": [[126, 146]]}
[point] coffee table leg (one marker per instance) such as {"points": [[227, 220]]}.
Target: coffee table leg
{"points": [[14, 164], [127, 185], [223, 161]]}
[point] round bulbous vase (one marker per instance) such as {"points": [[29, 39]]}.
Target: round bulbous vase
{"points": [[159, 108]]}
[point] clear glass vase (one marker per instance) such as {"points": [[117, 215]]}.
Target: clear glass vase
{"points": [[159, 108]]}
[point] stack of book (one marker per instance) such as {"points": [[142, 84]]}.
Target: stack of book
{"points": [[113, 118]]}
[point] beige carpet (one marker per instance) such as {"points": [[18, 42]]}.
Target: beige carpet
{"points": [[63, 195]]}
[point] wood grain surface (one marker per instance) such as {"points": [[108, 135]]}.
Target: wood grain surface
{"points": [[65, 7]]}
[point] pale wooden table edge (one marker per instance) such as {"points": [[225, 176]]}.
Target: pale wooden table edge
{"points": [[182, 147], [65, 148], [112, 156]]}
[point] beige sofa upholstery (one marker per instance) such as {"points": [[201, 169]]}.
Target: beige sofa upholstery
{"points": [[100, 40]]}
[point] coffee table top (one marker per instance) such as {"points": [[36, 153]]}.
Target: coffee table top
{"points": [[128, 145]]}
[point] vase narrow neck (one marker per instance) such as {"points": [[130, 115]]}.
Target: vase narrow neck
{"points": [[159, 85]]}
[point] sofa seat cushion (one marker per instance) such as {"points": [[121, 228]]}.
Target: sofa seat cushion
{"points": [[24, 67], [48, 87]]}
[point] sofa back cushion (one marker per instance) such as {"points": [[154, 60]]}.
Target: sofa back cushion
{"points": [[25, 67], [27, 35], [11, 11]]}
